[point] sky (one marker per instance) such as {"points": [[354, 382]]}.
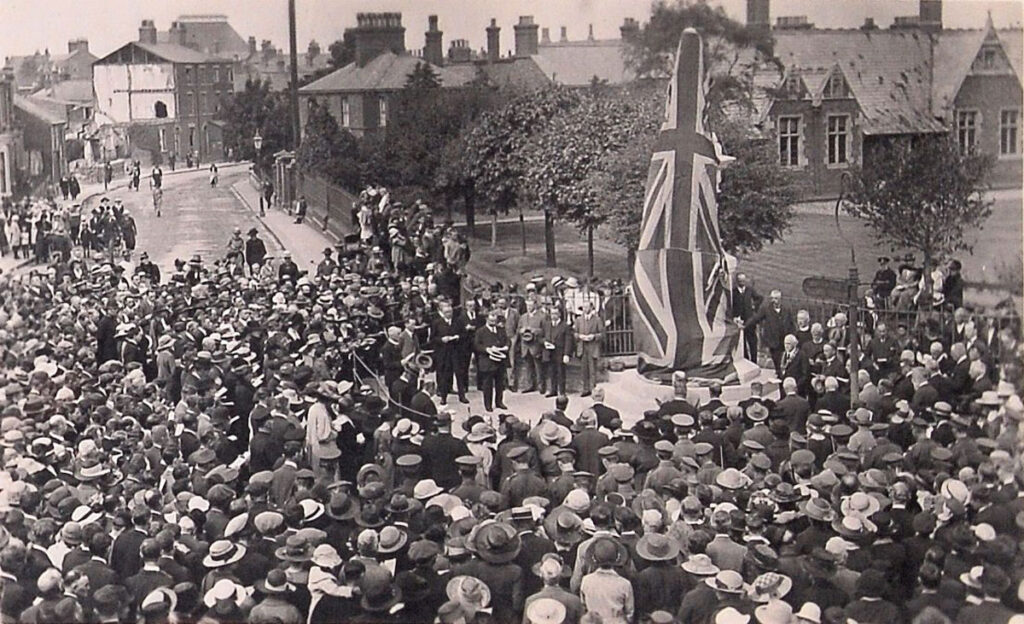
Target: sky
{"points": [[26, 27]]}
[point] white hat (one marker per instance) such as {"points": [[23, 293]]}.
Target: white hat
{"points": [[809, 612]]}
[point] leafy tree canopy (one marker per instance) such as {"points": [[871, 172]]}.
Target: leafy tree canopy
{"points": [[922, 194]]}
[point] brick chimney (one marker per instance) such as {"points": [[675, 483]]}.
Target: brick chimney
{"points": [[526, 36], [493, 41], [759, 15], [75, 45], [147, 31], [930, 15], [252, 45], [460, 51], [433, 50], [545, 36], [376, 33], [177, 33], [564, 35], [590, 32], [629, 29]]}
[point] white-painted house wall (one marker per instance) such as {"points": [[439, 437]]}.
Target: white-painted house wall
{"points": [[129, 93]]}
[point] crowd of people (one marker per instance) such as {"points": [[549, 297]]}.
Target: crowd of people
{"points": [[240, 441], [40, 230]]}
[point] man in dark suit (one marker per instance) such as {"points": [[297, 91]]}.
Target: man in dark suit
{"points": [[794, 364], [776, 323], [605, 414], [533, 548], [793, 408], [557, 344], [391, 356], [960, 375], [745, 304], [884, 281], [439, 452], [445, 335], [468, 321], [124, 554], [492, 355]]}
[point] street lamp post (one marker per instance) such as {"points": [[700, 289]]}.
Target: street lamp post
{"points": [[853, 281], [257, 142]]}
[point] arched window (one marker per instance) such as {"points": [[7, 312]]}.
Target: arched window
{"points": [[160, 109]]}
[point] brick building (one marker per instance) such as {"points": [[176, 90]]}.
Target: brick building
{"points": [[358, 94], [165, 94], [835, 91]]}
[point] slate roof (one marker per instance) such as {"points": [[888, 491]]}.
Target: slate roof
{"points": [[386, 72], [74, 91], [210, 34], [52, 113], [888, 72], [575, 63], [955, 50], [175, 53]]}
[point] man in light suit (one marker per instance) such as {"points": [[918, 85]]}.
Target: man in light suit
{"points": [[529, 331], [589, 331], [492, 355], [509, 317]]}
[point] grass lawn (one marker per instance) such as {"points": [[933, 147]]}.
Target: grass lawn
{"points": [[812, 247]]}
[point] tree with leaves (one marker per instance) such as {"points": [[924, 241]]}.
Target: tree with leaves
{"points": [[733, 52], [343, 51], [255, 108], [327, 149], [561, 156], [496, 144], [922, 193]]}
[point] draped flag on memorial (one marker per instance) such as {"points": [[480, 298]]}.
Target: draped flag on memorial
{"points": [[682, 278]]}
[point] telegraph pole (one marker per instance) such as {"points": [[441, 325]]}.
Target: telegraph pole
{"points": [[293, 89]]}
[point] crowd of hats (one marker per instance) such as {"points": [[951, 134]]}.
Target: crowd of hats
{"points": [[129, 490]]}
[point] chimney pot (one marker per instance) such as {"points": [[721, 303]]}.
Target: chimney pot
{"points": [[545, 35], [590, 32]]}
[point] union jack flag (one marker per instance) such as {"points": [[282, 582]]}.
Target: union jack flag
{"points": [[682, 276]]}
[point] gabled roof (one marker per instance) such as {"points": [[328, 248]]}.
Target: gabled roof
{"points": [[210, 34], [385, 72], [52, 113], [575, 63], [174, 53], [72, 91], [888, 72], [170, 52], [955, 52]]}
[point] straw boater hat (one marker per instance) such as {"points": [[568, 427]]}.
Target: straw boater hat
{"points": [[222, 553]]}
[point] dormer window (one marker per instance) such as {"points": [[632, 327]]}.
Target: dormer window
{"points": [[987, 58], [792, 87], [835, 88]]}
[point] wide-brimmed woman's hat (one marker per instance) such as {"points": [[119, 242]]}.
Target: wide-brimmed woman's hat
{"points": [[391, 540], [818, 509], [770, 586], [295, 550], [326, 556], [495, 542], [700, 565], [222, 553], [469, 592], [859, 504], [727, 582], [225, 590], [545, 611], [563, 527], [657, 547]]}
